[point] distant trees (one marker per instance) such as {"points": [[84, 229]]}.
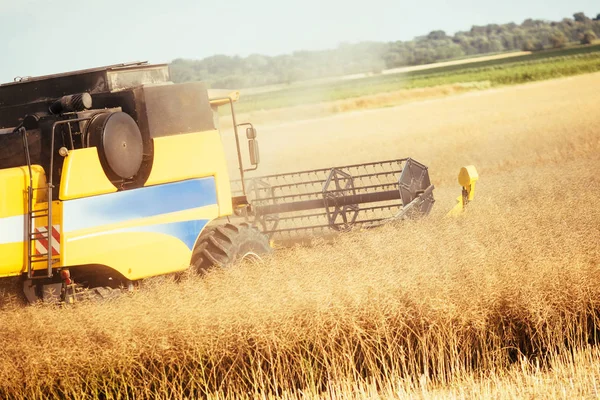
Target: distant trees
{"points": [[558, 40], [437, 35], [580, 17], [372, 57], [528, 45], [588, 37]]}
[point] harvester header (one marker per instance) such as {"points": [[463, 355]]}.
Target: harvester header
{"points": [[321, 201]]}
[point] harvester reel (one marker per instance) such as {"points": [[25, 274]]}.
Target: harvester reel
{"points": [[413, 182], [267, 223], [297, 205], [259, 189], [338, 185]]}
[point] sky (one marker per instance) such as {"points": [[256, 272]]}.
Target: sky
{"points": [[39, 37]]}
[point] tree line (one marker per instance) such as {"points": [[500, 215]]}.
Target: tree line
{"points": [[372, 57]]}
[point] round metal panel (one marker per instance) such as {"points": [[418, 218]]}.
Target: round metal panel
{"points": [[119, 142]]}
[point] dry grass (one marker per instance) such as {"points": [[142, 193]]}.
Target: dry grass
{"points": [[500, 303], [571, 376]]}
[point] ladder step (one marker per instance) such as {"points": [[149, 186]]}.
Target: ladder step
{"points": [[39, 216], [33, 278], [39, 235], [40, 210], [41, 257]]}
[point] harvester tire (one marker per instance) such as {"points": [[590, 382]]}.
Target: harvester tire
{"points": [[224, 245]]}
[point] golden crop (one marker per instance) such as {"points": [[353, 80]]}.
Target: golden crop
{"points": [[484, 305]]}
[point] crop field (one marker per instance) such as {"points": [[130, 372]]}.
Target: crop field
{"points": [[496, 72], [502, 302], [469, 59]]}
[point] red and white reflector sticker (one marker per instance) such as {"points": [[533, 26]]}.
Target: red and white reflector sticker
{"points": [[41, 240]]}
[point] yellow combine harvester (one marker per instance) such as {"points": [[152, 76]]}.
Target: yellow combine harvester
{"points": [[115, 174]]}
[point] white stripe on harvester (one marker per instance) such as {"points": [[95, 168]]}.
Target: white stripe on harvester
{"points": [[12, 229]]}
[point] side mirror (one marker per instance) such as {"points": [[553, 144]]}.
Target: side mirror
{"points": [[253, 150], [252, 146], [251, 133]]}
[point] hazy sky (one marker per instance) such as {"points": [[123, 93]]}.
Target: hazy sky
{"points": [[48, 36]]}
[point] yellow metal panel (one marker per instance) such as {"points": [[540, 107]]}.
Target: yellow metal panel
{"points": [[467, 177], [118, 245], [135, 255], [83, 175], [219, 97], [12, 260], [13, 207], [458, 208], [13, 189], [192, 155]]}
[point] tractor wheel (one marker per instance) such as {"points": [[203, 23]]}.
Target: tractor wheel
{"points": [[223, 245]]}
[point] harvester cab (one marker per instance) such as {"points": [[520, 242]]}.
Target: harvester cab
{"points": [[115, 174]]}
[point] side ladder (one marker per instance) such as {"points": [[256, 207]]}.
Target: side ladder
{"points": [[38, 239]]}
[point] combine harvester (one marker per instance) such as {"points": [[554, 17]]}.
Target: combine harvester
{"points": [[115, 174]]}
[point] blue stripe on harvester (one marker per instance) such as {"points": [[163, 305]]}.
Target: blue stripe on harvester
{"points": [[133, 204], [186, 231]]}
